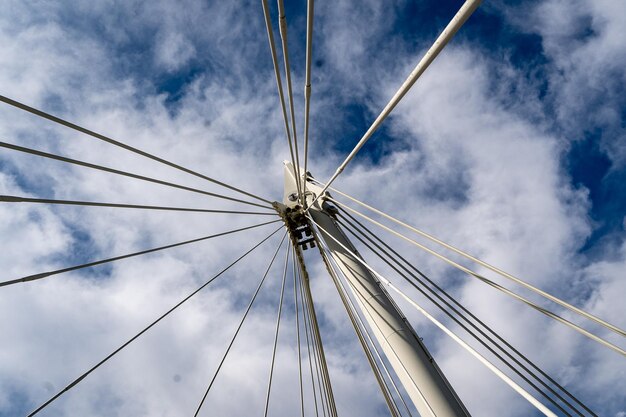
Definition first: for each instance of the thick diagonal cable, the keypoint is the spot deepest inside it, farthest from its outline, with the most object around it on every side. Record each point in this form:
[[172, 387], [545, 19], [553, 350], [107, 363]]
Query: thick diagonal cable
[[18, 199], [472, 333], [282, 24], [42, 275], [480, 262], [276, 333], [84, 375], [279, 84], [506, 291], [297, 316], [241, 322], [455, 24], [101, 137], [391, 404], [123, 173], [307, 88], [453, 305], [546, 411]]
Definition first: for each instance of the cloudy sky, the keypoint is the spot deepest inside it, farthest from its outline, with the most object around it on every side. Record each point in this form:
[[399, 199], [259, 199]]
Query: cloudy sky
[[512, 146]]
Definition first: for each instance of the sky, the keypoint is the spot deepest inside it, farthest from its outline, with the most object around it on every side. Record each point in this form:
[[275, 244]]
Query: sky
[[511, 146]]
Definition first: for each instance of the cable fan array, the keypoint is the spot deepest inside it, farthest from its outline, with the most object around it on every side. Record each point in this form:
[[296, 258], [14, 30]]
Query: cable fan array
[[316, 395]]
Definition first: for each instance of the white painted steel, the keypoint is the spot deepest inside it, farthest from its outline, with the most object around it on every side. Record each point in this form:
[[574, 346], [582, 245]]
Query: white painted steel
[[425, 384], [546, 411], [455, 24]]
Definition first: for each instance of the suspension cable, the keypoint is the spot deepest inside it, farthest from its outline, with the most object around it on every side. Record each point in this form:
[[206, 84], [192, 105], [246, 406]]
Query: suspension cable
[[282, 20], [309, 348], [482, 263], [452, 304], [243, 319], [391, 404], [467, 347], [473, 334], [506, 291], [280, 310], [297, 316], [455, 24], [93, 134], [307, 89], [123, 173], [130, 255], [321, 382], [318, 348], [542, 408], [84, 375], [279, 83], [19, 199]]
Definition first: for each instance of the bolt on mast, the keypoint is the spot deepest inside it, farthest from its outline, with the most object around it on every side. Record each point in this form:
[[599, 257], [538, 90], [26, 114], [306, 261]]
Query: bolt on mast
[[422, 379]]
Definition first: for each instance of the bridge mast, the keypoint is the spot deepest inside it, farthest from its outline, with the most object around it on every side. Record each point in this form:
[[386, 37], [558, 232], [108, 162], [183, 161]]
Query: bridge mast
[[422, 379]]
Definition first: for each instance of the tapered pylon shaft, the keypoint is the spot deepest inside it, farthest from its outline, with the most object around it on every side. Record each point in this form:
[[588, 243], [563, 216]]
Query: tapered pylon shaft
[[423, 380]]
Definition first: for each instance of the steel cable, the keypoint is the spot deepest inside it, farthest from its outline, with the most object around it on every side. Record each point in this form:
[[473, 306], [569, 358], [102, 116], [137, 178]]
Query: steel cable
[[243, 319], [93, 134], [117, 258], [453, 304], [84, 375], [123, 173]]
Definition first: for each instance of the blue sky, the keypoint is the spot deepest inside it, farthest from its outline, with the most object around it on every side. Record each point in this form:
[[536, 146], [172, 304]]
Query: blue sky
[[511, 146]]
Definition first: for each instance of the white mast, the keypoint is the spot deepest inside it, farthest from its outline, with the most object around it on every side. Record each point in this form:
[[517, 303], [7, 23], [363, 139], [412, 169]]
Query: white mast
[[421, 377]]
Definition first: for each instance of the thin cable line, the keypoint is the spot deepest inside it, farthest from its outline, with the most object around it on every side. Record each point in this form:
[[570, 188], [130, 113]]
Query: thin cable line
[[17, 199], [460, 306], [280, 310], [117, 258], [321, 382], [316, 359], [279, 84], [467, 347], [308, 346], [542, 408], [93, 134], [506, 291], [297, 316], [482, 263], [477, 338], [320, 351], [282, 20], [84, 375], [455, 24], [307, 89], [123, 173], [243, 319], [309, 315]]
